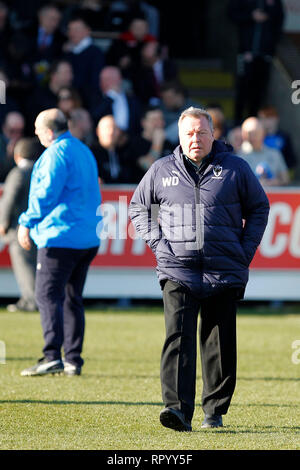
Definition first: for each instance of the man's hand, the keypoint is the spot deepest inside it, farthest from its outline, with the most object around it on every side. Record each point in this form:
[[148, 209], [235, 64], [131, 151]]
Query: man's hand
[[24, 238], [158, 139], [2, 231], [259, 15], [146, 161]]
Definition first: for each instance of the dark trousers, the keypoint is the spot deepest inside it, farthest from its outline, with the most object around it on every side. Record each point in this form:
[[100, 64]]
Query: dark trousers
[[60, 279], [217, 333], [24, 267]]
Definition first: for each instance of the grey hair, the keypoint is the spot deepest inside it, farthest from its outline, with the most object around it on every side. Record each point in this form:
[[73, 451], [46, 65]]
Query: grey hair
[[196, 112]]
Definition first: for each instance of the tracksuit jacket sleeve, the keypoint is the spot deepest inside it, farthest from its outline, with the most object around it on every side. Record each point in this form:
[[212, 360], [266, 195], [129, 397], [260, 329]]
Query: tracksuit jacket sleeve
[[47, 182], [256, 208], [143, 210]]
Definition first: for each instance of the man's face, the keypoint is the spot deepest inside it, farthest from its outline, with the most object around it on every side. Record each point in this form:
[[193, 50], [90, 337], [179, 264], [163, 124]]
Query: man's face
[[254, 135], [270, 124], [170, 99], [63, 75], [110, 79], [13, 129], [139, 28], [77, 31], [43, 133], [50, 19], [154, 120], [196, 137], [107, 132]]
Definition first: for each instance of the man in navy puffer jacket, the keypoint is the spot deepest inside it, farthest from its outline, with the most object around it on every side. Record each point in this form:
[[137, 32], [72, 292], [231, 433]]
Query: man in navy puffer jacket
[[203, 213]]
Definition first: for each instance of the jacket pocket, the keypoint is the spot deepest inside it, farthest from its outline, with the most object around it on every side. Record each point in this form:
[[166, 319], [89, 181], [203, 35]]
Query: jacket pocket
[[178, 253]]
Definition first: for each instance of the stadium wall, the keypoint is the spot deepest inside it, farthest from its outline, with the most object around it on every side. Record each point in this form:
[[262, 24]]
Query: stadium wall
[[125, 266]]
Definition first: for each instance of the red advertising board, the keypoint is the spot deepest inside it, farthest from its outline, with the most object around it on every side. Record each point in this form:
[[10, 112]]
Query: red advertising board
[[121, 248], [279, 249], [280, 246]]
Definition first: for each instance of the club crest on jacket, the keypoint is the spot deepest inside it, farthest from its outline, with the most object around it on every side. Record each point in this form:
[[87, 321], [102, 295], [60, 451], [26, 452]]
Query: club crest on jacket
[[217, 171]]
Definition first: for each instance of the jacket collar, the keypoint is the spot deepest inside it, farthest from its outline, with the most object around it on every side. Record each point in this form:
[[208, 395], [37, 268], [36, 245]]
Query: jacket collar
[[65, 135]]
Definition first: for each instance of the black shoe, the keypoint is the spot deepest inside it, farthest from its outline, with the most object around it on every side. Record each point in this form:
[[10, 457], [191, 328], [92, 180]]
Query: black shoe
[[212, 421], [43, 367], [174, 419], [71, 369]]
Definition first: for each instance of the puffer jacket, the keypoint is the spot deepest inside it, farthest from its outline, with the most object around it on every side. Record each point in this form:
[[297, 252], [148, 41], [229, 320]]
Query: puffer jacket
[[204, 235]]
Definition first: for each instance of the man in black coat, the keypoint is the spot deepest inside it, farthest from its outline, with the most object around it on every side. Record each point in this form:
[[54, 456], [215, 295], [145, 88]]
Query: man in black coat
[[114, 166], [259, 24], [46, 37], [13, 202], [113, 99], [86, 58], [46, 97]]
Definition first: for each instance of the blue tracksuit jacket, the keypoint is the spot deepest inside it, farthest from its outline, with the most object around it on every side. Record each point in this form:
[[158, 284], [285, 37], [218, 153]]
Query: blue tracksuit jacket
[[64, 196]]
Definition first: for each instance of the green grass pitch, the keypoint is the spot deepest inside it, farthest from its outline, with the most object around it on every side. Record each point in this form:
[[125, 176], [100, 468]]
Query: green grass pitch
[[115, 403]]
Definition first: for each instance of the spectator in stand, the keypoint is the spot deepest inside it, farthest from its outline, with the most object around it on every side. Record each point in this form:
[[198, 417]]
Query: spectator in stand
[[124, 106], [125, 50], [275, 137], [20, 66], [219, 122], [68, 99], [110, 153], [46, 97], [259, 25], [23, 14], [5, 33], [47, 39], [234, 138], [87, 59], [81, 126], [151, 144], [174, 100], [11, 103], [12, 131], [96, 13], [124, 10], [148, 75], [154, 55], [14, 201], [267, 163]]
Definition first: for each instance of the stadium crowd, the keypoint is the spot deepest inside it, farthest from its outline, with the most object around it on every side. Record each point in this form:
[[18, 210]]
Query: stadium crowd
[[103, 64]]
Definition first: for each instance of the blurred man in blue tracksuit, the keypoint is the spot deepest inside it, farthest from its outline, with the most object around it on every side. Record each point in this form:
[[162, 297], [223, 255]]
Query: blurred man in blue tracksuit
[[61, 220]]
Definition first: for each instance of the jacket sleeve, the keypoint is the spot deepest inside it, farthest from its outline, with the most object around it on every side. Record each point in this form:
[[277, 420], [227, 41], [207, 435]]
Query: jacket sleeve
[[143, 210], [255, 210], [47, 183], [13, 186]]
